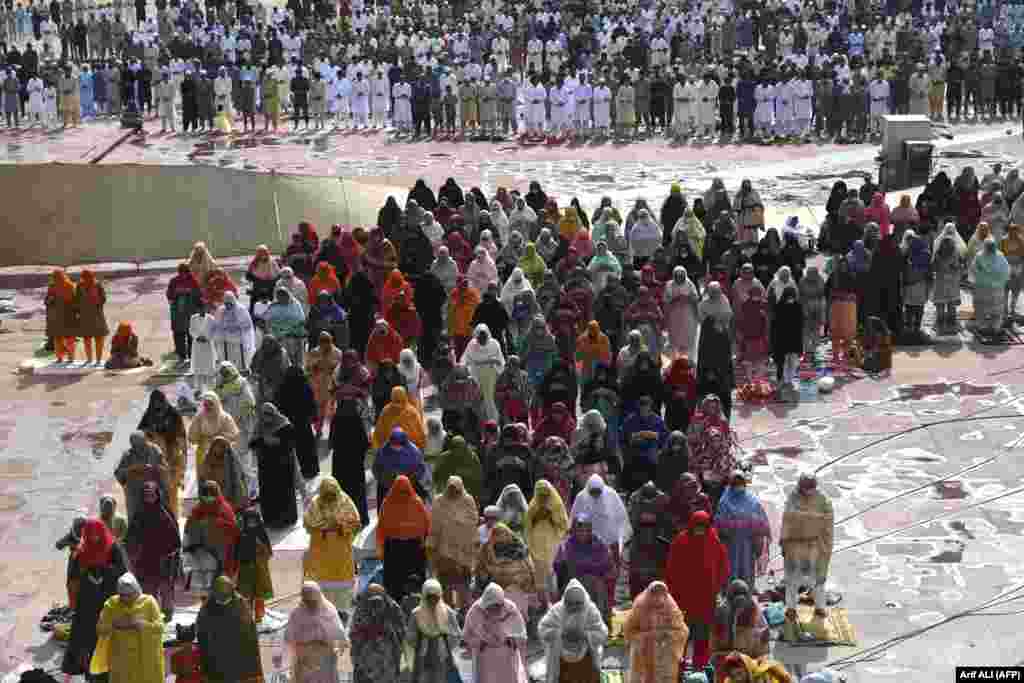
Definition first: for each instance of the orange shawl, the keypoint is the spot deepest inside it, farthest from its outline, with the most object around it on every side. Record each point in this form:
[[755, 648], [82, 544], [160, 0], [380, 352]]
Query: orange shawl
[[123, 334], [61, 286], [402, 515], [593, 345]]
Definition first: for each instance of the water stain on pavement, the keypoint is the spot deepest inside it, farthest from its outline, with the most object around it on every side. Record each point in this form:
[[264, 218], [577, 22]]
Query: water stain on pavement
[[97, 441]]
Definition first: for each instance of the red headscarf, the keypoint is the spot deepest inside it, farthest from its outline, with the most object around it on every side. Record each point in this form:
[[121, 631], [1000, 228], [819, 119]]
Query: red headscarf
[[697, 568], [96, 546], [680, 379], [325, 280], [221, 515]]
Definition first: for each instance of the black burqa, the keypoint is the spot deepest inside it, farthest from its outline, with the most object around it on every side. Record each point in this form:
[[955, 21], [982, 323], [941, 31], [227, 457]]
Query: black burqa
[[349, 444], [274, 448], [94, 587], [361, 303], [295, 400], [423, 195], [883, 297], [430, 297], [787, 329], [671, 211], [389, 218], [715, 372]]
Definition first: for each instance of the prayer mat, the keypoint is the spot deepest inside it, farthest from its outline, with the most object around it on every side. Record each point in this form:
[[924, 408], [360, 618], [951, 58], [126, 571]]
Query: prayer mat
[[172, 367], [834, 629], [49, 366]]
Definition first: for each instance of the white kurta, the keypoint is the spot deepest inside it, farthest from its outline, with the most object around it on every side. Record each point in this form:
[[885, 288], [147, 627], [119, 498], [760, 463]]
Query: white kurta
[[602, 107]]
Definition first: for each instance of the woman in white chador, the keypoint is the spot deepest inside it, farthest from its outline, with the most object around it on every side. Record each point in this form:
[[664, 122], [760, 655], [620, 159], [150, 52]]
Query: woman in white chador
[[204, 353], [233, 333]]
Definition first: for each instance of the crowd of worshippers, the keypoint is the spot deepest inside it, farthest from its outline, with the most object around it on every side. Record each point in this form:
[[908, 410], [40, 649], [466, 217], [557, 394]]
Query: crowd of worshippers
[[737, 70], [506, 517]]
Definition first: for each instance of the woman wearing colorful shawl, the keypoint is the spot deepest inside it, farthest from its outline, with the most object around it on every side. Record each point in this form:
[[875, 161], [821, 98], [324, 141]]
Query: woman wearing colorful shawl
[[352, 253], [238, 401], [513, 393], [495, 634], [545, 527], [645, 315], [750, 211], [385, 343], [325, 280], [583, 556], [743, 526], [991, 273], [201, 262], [262, 274], [124, 350], [485, 361], [602, 265], [95, 566], [752, 333], [739, 622], [314, 636], [400, 413], [556, 465], [680, 390], [539, 351], [185, 298], [233, 333], [153, 541], [399, 456], [211, 421], [162, 424], [295, 285], [394, 284], [218, 285], [433, 634], [657, 635], [680, 304], [88, 301], [532, 265], [223, 466], [453, 545], [696, 570], [332, 522], [592, 349], [916, 284], [604, 507], [1012, 247], [286, 320], [740, 668], [131, 629], [377, 634], [574, 636], [322, 364], [482, 271], [379, 259], [687, 498], [212, 527], [947, 269], [402, 530], [504, 560]]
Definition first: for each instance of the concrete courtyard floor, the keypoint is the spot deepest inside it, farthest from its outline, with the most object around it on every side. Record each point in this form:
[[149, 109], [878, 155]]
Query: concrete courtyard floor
[[923, 465]]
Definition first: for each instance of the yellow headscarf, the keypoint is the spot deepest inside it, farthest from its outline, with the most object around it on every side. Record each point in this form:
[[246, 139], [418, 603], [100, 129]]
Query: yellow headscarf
[[332, 509]]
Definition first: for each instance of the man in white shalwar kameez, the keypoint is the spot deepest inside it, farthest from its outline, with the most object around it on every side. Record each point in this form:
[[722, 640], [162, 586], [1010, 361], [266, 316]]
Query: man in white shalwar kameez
[[602, 107], [361, 102]]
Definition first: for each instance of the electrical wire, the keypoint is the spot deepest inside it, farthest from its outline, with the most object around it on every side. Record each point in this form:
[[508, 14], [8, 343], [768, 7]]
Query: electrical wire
[[876, 651]]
